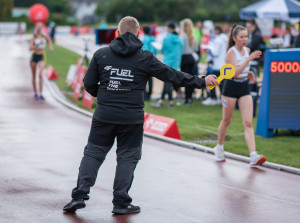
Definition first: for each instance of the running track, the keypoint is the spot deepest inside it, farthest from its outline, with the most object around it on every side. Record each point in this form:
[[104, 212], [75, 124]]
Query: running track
[[41, 145]]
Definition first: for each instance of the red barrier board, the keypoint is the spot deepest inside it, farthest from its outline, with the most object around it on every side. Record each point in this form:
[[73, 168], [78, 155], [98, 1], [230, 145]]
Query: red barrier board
[[77, 91], [87, 100], [145, 116], [51, 73], [161, 126], [77, 72], [78, 82]]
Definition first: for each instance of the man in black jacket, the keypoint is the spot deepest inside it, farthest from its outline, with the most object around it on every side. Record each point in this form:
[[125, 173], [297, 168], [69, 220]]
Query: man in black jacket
[[117, 76]]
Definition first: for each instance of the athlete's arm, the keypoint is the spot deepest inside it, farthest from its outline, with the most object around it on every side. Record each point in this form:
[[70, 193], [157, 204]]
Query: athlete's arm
[[31, 45], [49, 43], [91, 78], [231, 59]]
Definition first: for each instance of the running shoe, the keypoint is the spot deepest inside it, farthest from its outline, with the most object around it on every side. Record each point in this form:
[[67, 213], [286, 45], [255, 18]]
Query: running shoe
[[257, 160], [219, 154], [210, 101], [36, 97], [156, 104], [42, 97], [170, 105], [130, 209]]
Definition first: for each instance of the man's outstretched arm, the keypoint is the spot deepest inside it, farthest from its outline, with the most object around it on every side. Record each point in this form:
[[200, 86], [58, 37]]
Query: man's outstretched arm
[[167, 74]]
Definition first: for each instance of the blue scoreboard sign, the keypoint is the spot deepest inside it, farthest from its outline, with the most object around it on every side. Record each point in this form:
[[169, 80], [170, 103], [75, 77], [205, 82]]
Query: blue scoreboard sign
[[279, 106]]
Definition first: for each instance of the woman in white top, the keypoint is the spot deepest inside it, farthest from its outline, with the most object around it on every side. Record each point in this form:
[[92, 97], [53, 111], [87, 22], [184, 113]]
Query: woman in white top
[[38, 43], [237, 90]]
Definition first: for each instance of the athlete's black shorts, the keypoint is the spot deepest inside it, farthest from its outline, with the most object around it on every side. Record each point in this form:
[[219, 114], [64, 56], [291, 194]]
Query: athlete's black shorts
[[37, 58], [236, 88]]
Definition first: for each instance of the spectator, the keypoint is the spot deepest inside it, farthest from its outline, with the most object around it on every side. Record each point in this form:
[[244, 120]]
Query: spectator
[[52, 27], [218, 51], [288, 38], [189, 60], [172, 51], [147, 41], [297, 41], [198, 32]]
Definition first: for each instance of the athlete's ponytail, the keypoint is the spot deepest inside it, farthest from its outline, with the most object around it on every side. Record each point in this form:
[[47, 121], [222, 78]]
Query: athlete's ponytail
[[233, 33]]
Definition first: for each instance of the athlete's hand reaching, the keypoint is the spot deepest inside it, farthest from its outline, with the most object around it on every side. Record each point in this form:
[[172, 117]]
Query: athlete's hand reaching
[[251, 77], [210, 80], [256, 54]]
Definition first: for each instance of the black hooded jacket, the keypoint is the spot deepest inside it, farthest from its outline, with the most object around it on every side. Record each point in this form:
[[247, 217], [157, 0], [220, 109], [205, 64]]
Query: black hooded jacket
[[117, 76]]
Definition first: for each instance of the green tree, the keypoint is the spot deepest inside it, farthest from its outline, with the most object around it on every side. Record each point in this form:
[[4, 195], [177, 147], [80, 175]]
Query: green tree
[[54, 6], [58, 9], [160, 11], [6, 9]]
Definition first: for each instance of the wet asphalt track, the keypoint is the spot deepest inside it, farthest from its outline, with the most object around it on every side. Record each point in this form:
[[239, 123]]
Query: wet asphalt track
[[41, 145]]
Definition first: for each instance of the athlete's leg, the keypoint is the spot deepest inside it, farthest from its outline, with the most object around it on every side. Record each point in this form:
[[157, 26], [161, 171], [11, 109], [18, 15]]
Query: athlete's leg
[[246, 108], [33, 71], [228, 105], [41, 66]]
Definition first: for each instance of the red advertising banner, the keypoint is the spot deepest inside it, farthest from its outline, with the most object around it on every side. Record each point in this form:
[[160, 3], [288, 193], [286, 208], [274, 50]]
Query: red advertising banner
[[77, 70], [87, 100], [78, 82], [145, 116], [161, 126]]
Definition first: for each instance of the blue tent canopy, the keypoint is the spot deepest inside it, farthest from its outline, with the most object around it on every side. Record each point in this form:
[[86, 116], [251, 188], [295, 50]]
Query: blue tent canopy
[[274, 9]]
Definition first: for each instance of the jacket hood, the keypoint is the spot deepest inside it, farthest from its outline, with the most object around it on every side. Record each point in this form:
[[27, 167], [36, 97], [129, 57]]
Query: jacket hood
[[126, 44], [173, 38]]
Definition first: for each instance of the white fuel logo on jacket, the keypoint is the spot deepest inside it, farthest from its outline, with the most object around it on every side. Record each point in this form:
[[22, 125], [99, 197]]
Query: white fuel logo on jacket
[[116, 76], [119, 74]]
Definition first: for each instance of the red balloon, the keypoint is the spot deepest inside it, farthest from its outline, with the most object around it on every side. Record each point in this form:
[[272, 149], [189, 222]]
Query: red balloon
[[38, 13]]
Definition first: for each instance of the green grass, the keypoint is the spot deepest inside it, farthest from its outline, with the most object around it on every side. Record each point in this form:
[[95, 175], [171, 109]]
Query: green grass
[[61, 59], [198, 122]]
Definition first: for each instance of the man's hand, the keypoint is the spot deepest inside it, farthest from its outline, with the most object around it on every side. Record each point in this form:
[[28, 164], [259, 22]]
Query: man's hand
[[211, 80]]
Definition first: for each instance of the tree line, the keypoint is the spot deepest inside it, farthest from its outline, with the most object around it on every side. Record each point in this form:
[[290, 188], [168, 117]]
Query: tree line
[[163, 10], [143, 10]]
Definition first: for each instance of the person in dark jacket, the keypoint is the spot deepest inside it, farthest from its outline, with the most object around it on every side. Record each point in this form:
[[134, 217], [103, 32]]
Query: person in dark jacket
[[117, 76], [254, 44], [297, 41]]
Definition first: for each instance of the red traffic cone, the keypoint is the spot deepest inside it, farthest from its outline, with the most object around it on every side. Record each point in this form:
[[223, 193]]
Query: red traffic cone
[[51, 73]]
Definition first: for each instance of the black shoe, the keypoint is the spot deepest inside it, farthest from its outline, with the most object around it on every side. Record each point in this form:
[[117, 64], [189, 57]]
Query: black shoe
[[74, 205], [130, 209]]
